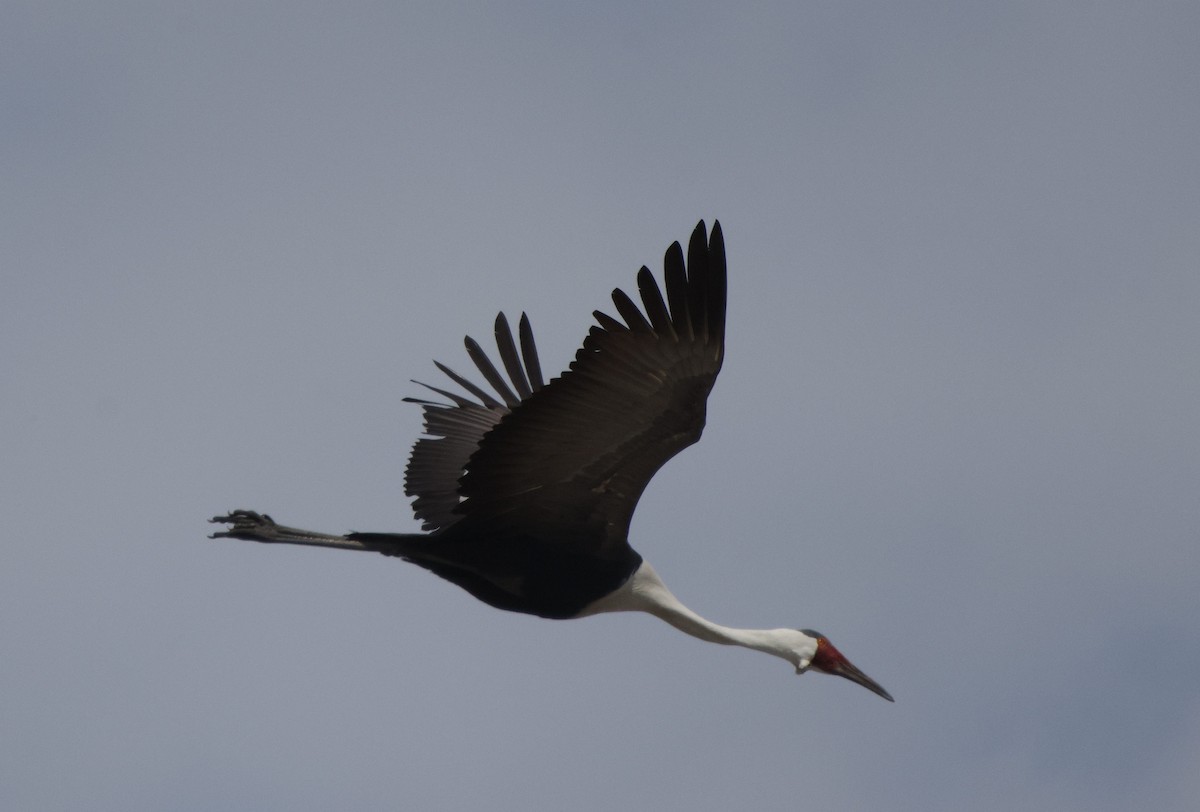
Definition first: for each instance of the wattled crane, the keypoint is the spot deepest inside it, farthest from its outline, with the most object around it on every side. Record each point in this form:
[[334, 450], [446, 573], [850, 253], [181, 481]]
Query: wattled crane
[[527, 493]]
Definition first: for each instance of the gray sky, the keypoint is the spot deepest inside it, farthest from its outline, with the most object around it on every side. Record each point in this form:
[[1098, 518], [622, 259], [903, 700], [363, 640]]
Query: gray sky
[[956, 429]]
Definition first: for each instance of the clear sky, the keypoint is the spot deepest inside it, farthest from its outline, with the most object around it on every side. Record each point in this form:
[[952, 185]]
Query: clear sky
[[958, 427]]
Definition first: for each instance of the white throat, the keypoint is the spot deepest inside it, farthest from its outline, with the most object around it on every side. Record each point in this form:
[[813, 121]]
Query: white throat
[[645, 592]]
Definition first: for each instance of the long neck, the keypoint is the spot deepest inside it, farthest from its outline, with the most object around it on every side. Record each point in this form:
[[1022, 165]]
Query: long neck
[[645, 592]]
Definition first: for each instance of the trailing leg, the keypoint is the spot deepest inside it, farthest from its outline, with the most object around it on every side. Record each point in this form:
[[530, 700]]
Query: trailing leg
[[251, 526]]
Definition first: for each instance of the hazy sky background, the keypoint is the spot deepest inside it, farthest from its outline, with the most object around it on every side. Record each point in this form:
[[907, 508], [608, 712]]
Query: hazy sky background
[[958, 428]]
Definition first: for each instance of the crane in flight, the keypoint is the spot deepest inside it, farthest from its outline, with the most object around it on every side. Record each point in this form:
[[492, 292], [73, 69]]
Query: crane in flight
[[527, 492]]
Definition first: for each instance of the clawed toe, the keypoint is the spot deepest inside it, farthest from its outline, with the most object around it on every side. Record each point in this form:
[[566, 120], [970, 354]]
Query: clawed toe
[[242, 522]]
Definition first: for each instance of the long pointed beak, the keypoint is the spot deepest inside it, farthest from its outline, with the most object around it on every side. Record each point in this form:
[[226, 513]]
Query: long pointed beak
[[851, 672], [828, 660]]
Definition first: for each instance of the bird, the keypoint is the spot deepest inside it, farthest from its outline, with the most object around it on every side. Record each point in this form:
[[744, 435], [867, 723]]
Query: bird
[[526, 492]]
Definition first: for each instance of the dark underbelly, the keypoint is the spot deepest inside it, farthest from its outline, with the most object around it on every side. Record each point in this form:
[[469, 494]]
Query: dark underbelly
[[547, 579]]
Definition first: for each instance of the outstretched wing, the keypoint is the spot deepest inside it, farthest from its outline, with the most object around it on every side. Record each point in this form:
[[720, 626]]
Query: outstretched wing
[[455, 430], [580, 451]]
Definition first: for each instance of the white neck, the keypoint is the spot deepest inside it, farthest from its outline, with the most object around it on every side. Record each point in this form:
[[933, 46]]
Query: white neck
[[645, 592]]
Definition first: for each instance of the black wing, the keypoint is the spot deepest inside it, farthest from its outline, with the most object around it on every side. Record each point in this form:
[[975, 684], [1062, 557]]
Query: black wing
[[438, 461], [580, 450]]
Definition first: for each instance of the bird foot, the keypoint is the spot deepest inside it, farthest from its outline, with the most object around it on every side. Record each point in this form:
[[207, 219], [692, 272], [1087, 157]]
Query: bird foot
[[246, 524]]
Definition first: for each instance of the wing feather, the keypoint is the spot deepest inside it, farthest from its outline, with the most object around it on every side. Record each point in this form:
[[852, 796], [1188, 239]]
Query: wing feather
[[629, 311], [676, 280], [489, 372], [656, 308], [512, 361], [533, 367], [607, 322], [482, 394]]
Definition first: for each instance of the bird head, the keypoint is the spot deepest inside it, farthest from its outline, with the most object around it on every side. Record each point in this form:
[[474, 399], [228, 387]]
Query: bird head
[[828, 660]]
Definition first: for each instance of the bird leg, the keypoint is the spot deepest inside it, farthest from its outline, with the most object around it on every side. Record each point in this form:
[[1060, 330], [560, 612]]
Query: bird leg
[[251, 526]]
